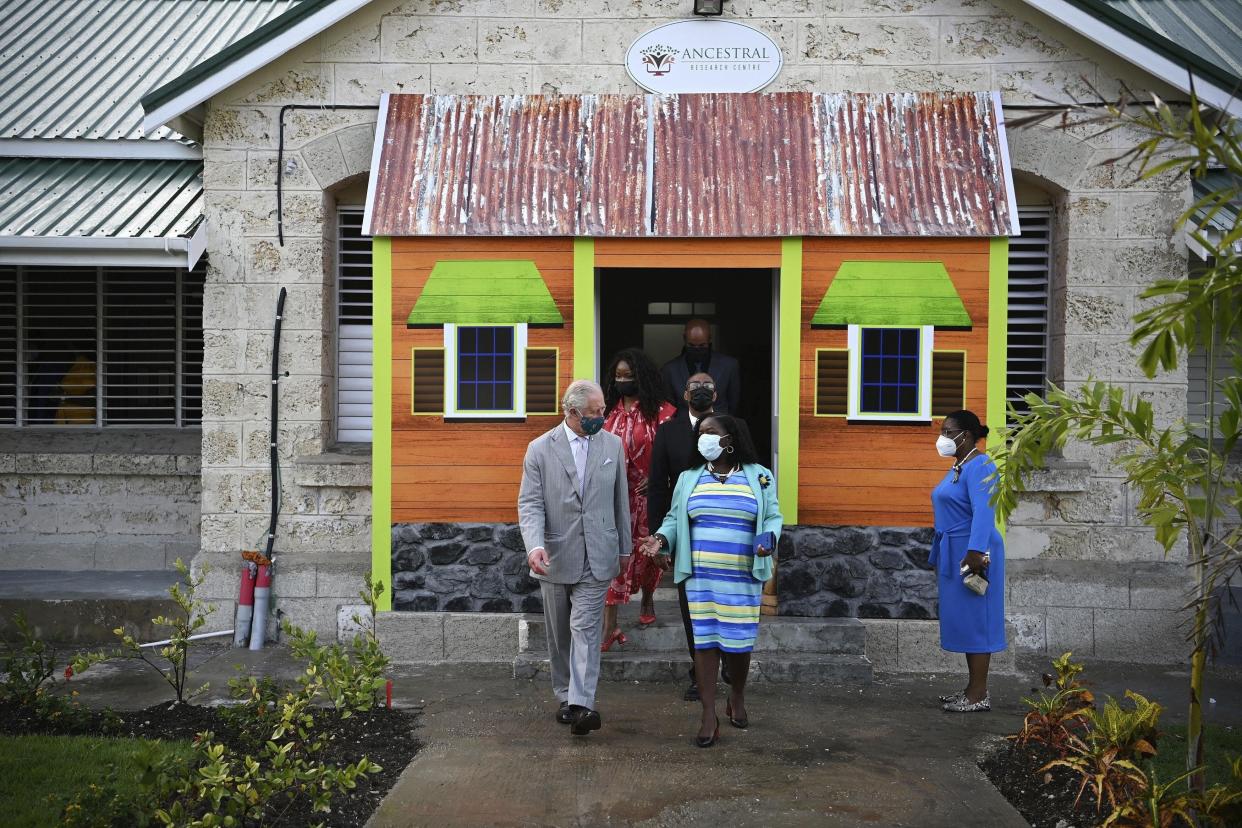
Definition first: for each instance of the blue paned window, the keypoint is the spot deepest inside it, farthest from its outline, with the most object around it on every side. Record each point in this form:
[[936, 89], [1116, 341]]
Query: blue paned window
[[485, 376], [890, 371]]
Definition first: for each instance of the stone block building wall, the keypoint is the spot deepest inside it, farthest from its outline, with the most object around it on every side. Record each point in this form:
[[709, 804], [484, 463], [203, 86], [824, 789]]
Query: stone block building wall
[[1113, 235], [118, 500]]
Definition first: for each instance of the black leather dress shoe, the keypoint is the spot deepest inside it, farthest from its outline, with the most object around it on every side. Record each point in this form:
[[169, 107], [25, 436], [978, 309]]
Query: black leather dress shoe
[[585, 721], [565, 714], [692, 693]]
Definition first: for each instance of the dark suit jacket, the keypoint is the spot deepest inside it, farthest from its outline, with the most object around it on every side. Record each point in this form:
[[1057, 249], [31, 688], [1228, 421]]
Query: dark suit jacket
[[724, 370], [670, 456]]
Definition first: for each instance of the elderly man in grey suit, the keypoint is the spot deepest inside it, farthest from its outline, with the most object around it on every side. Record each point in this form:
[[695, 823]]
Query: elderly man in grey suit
[[574, 512]]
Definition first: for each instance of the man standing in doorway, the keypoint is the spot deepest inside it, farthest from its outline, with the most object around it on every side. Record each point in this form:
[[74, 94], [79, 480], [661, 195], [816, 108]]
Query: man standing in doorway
[[574, 512], [697, 356], [671, 454]]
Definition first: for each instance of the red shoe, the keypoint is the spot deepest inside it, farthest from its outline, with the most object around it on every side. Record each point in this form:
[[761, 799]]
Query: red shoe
[[646, 620], [617, 637]]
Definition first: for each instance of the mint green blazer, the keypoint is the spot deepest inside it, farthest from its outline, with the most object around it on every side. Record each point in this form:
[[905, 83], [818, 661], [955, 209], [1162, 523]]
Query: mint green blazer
[[676, 525]]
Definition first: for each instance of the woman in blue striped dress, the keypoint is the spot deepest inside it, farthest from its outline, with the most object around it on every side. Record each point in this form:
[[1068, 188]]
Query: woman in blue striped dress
[[719, 507]]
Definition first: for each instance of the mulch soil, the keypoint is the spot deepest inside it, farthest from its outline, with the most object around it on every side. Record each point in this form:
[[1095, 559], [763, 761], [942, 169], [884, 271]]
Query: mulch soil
[[1044, 798], [385, 736]]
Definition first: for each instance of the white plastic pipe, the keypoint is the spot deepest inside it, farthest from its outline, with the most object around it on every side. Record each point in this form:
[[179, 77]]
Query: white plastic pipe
[[191, 638]]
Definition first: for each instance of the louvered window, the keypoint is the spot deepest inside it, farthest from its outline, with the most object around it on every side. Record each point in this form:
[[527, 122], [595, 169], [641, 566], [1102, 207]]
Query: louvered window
[[1030, 268], [353, 314], [541, 381], [100, 346], [832, 370]]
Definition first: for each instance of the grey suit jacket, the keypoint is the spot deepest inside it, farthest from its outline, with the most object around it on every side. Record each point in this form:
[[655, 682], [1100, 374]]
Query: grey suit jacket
[[584, 536]]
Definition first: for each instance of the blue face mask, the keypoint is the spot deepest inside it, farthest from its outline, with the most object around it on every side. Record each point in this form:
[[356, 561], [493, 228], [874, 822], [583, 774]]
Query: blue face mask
[[590, 425]]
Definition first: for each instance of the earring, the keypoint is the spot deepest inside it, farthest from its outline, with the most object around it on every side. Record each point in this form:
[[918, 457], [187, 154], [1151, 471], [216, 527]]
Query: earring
[[728, 449]]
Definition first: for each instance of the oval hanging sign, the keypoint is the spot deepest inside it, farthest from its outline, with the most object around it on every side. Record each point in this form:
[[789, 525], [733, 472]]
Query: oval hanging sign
[[703, 56]]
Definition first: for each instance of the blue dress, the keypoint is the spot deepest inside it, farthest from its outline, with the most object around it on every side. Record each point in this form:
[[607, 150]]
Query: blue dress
[[722, 593], [965, 520]]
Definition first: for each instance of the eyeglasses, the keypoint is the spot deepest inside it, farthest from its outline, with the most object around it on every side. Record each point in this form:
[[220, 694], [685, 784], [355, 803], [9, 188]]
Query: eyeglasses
[[694, 386]]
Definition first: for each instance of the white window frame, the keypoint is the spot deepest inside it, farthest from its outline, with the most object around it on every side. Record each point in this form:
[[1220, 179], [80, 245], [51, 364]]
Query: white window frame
[[451, 410], [926, 345]]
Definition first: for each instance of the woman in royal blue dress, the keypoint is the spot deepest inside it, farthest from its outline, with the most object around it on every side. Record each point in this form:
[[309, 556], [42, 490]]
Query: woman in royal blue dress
[[968, 548], [719, 507]]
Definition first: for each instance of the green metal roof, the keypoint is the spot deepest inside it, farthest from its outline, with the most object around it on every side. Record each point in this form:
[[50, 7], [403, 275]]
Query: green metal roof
[[1205, 35], [1219, 217], [892, 293], [490, 292], [77, 68], [120, 199]]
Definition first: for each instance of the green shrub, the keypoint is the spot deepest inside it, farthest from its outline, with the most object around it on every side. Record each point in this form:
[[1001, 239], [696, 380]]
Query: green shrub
[[1058, 713]]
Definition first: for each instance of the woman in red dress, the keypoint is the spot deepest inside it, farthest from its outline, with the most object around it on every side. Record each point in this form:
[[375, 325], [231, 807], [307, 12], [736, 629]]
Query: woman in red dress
[[634, 405]]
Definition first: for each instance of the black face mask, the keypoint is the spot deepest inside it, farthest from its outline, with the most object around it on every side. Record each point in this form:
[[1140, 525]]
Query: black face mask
[[629, 388], [701, 399], [699, 353]]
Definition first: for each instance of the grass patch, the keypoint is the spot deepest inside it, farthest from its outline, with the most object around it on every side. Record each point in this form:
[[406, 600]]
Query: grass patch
[[1223, 744], [38, 774]]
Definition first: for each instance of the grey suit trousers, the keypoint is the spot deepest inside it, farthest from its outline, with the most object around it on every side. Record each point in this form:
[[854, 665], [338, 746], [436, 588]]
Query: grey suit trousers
[[574, 619]]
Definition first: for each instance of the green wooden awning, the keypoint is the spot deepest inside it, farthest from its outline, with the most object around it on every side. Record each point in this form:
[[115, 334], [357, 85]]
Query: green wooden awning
[[487, 292], [892, 293]]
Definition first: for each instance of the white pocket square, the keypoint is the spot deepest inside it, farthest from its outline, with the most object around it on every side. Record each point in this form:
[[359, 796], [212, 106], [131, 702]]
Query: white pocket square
[[607, 460]]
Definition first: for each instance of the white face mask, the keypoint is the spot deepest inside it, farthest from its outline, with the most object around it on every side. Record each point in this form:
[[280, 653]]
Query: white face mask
[[946, 446], [709, 446]]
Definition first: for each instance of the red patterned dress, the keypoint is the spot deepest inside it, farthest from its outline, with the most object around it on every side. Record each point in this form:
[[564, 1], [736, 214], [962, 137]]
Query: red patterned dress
[[637, 435]]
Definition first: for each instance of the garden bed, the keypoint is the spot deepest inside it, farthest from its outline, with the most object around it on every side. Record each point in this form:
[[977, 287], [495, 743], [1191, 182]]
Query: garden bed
[[385, 736], [1045, 800]]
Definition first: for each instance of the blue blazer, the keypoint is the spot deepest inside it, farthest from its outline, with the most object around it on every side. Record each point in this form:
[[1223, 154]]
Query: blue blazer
[[676, 526]]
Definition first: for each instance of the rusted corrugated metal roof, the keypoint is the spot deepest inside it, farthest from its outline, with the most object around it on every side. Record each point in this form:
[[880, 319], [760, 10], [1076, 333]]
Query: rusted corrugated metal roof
[[782, 164]]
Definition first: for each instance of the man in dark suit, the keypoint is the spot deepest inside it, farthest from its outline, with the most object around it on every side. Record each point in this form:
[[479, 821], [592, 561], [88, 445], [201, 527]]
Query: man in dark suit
[[671, 454], [697, 356]]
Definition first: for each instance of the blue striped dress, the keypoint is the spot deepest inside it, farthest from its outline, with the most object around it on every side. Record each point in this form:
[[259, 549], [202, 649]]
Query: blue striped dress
[[723, 595]]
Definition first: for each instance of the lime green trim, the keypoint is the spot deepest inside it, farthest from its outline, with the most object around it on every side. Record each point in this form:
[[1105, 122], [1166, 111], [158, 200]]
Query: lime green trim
[[892, 294], [998, 337], [815, 387], [584, 309], [789, 377], [413, 372], [381, 416], [998, 331], [485, 292]]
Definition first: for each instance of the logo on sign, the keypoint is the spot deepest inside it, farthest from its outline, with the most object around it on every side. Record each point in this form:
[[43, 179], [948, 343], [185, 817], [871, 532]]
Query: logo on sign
[[703, 56]]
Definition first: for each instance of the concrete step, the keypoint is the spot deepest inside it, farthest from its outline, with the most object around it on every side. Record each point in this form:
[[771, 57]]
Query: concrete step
[[84, 607], [821, 636], [787, 668]]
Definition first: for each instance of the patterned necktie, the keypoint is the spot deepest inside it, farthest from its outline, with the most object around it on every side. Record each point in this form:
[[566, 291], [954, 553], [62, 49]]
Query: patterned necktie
[[580, 456]]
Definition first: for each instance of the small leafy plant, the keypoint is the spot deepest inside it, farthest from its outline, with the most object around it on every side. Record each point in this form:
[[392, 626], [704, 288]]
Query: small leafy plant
[[351, 677], [29, 681], [1059, 712], [191, 616]]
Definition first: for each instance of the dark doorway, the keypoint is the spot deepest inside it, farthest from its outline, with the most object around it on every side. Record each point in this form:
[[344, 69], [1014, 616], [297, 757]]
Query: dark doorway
[[649, 307]]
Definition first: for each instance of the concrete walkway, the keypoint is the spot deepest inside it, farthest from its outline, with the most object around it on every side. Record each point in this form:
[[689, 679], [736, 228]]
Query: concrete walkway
[[814, 755]]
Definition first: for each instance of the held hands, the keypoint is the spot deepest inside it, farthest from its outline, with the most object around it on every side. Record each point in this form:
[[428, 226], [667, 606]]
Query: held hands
[[976, 562], [651, 546], [537, 560]]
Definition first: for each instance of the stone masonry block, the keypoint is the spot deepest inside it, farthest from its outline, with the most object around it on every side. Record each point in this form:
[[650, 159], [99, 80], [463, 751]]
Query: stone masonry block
[[480, 636], [1167, 589], [1026, 631], [224, 169], [357, 83], [336, 471], [327, 164], [341, 581], [134, 464], [1038, 82], [311, 614], [1067, 584], [356, 145], [429, 40], [54, 463], [882, 643], [1145, 636], [569, 79], [984, 39], [529, 41], [449, 78], [895, 40], [868, 78], [1152, 215], [1071, 629], [412, 637], [294, 580], [8, 462], [918, 649]]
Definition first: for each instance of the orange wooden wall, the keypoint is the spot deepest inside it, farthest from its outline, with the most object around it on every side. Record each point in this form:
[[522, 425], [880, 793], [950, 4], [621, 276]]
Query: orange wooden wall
[[466, 471], [882, 474]]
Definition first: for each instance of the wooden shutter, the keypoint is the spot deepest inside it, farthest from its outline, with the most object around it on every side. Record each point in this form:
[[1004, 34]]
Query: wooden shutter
[[832, 386], [541, 385], [948, 382], [427, 393]]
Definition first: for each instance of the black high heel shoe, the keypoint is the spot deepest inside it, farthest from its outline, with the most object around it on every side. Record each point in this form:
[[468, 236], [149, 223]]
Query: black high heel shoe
[[702, 742], [741, 724]]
